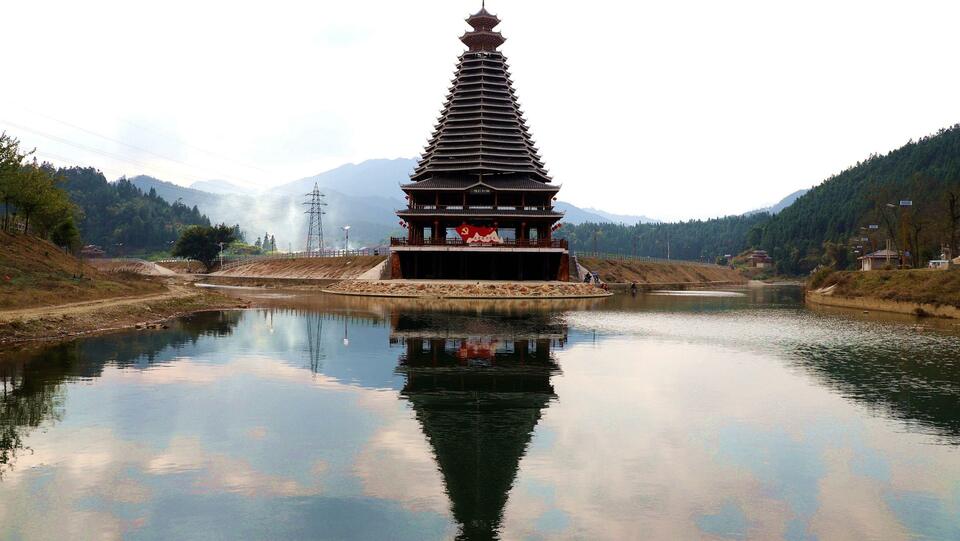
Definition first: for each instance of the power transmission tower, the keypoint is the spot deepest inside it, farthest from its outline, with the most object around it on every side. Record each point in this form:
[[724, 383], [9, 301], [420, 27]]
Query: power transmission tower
[[315, 226]]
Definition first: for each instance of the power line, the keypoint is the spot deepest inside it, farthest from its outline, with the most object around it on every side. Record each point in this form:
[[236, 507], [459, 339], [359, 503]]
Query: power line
[[185, 143], [75, 144], [141, 149]]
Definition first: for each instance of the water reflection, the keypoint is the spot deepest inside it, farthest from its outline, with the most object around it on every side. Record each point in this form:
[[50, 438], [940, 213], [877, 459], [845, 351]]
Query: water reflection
[[33, 381], [669, 417], [478, 387]]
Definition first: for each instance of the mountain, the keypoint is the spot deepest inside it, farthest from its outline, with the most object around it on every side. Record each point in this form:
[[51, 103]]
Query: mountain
[[825, 219], [174, 192], [575, 215], [224, 187], [627, 219], [124, 217], [371, 218], [371, 178], [782, 204]]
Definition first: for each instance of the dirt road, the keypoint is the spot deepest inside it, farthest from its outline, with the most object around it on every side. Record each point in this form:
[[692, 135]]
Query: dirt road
[[78, 318], [74, 308]]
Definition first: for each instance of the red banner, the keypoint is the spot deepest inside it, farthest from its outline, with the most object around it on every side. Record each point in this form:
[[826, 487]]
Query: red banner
[[473, 234], [476, 350]]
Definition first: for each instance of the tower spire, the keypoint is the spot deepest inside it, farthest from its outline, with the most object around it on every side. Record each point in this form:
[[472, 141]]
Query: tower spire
[[482, 37]]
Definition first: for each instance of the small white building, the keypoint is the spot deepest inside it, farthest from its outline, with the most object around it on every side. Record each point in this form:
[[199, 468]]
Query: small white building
[[880, 260]]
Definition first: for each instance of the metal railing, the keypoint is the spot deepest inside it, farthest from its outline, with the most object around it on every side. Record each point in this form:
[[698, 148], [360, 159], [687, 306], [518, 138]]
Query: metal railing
[[507, 243]]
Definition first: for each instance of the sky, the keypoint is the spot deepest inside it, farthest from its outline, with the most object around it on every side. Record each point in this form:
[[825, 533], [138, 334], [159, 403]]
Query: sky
[[673, 110]]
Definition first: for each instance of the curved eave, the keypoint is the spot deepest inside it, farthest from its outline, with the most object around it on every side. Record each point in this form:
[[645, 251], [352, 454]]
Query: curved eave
[[543, 187], [490, 213]]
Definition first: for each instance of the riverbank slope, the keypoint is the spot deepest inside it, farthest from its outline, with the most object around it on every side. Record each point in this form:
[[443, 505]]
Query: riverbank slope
[[46, 293], [304, 268], [919, 292], [661, 273]]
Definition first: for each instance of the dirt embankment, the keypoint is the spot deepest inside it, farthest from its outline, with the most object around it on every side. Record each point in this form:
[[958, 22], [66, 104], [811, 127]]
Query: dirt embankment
[[101, 315], [34, 272], [920, 292], [183, 267], [313, 268], [48, 294], [660, 273], [135, 266]]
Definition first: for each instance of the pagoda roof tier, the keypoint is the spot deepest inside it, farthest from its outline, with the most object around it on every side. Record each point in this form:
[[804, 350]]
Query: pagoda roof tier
[[483, 40], [484, 159], [494, 182], [481, 129], [483, 20], [427, 211], [467, 152]]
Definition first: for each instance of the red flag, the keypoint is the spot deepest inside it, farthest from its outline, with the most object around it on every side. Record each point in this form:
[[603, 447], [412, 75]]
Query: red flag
[[472, 234]]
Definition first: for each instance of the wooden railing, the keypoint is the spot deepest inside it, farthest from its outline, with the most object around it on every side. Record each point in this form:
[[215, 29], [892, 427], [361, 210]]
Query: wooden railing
[[507, 243]]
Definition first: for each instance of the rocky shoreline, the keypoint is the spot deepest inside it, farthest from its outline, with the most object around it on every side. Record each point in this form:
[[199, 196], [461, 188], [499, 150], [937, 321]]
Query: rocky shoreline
[[467, 290]]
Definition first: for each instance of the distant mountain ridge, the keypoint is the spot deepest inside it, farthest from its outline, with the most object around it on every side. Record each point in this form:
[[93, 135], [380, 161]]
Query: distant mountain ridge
[[223, 187], [780, 205], [363, 195], [821, 222]]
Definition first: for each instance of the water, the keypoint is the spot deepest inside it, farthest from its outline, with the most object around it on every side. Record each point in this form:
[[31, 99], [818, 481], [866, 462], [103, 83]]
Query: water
[[725, 416]]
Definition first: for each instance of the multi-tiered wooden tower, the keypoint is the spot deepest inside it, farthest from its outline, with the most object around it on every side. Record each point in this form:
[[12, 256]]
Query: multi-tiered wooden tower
[[480, 204]]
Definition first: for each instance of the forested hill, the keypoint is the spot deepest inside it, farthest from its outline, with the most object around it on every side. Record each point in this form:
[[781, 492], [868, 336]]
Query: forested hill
[[122, 218], [694, 240], [829, 217]]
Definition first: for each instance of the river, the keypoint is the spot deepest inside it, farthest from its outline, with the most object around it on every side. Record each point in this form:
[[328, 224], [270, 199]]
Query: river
[[718, 415]]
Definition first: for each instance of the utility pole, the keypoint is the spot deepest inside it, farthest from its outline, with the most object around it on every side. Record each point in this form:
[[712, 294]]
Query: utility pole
[[346, 239], [316, 202], [221, 255]]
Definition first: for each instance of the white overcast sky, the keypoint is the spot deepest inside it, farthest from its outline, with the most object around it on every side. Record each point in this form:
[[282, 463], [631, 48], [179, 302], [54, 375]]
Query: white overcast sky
[[668, 109]]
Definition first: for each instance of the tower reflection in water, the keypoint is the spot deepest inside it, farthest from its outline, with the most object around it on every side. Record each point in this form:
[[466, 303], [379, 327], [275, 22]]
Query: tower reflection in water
[[478, 387]]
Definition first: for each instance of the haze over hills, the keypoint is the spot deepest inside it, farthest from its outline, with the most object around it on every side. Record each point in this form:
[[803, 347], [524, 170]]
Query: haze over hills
[[363, 195], [222, 187]]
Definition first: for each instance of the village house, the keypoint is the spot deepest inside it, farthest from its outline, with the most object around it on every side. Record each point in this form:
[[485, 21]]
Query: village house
[[760, 259], [879, 260]]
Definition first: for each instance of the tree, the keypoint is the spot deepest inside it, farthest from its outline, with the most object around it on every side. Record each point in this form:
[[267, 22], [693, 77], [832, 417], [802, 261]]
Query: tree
[[258, 244], [273, 243], [202, 243], [953, 220], [11, 172], [66, 235]]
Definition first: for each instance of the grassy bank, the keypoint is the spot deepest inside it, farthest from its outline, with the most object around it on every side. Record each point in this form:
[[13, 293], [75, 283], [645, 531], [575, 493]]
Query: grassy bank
[[656, 272], [34, 272], [936, 287]]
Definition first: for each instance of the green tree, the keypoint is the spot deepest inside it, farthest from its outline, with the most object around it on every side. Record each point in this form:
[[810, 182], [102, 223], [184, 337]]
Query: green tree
[[203, 243], [66, 235]]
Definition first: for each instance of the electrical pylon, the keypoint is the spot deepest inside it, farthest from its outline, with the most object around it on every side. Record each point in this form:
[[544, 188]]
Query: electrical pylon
[[315, 225]]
